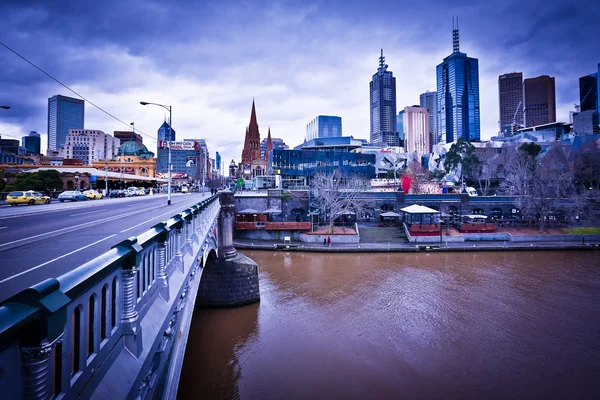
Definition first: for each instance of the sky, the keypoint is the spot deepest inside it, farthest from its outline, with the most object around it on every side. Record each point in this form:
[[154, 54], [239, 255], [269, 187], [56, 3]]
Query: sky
[[296, 59]]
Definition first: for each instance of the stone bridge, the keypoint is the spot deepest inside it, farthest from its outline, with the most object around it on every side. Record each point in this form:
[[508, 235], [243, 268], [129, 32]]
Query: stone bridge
[[117, 326]]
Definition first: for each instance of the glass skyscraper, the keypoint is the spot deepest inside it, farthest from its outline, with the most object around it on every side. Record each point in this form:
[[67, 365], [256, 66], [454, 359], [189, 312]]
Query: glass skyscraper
[[428, 100], [64, 113], [383, 106], [32, 143], [324, 126], [458, 96]]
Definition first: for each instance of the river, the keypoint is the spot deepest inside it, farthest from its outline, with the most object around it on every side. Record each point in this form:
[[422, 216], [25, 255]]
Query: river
[[497, 325]]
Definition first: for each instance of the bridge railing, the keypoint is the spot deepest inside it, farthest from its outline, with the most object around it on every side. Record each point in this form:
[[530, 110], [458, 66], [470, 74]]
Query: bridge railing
[[59, 338]]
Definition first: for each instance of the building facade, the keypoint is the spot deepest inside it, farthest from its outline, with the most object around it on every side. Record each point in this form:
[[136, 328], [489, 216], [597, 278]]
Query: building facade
[[428, 100], [510, 100], [458, 96], [252, 163], [166, 133], [416, 128], [382, 94], [132, 158], [64, 113], [126, 136], [539, 100], [324, 126], [89, 145], [32, 143], [588, 92]]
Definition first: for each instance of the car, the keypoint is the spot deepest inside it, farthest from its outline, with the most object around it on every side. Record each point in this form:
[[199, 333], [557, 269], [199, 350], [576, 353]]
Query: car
[[71, 195], [118, 193], [132, 191], [141, 192], [26, 197], [92, 194]]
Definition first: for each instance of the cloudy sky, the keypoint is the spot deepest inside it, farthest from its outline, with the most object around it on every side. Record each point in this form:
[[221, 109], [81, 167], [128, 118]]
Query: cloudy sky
[[297, 59]]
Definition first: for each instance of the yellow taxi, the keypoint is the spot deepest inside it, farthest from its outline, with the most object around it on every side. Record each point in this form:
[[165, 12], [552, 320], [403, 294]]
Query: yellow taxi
[[92, 194], [26, 197]]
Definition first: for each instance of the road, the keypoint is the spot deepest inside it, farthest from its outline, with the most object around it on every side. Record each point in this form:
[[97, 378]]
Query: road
[[44, 241]]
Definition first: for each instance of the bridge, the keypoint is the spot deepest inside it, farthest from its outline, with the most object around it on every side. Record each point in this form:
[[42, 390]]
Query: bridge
[[117, 326]]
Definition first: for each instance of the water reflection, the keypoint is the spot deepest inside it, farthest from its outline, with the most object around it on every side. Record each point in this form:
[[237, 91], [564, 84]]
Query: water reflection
[[442, 325]]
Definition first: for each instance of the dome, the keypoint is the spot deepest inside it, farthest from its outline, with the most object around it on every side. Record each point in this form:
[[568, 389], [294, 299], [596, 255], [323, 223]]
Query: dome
[[133, 148]]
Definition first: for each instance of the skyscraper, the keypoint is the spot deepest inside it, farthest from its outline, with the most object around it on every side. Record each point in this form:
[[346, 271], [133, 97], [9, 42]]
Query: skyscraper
[[510, 99], [32, 143], [64, 113], [400, 127], [324, 126], [416, 121], [539, 100], [458, 96], [428, 100], [383, 106], [166, 133], [588, 92]]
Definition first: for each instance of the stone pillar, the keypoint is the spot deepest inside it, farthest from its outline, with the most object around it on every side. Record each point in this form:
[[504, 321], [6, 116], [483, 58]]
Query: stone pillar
[[131, 329], [161, 275], [226, 249], [38, 369], [178, 241]]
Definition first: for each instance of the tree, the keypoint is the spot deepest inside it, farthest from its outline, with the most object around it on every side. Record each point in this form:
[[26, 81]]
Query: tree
[[419, 177], [487, 170], [461, 153], [333, 195], [39, 181]]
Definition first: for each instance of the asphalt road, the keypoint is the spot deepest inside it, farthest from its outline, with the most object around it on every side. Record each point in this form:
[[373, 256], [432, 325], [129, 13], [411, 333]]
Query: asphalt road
[[44, 241]]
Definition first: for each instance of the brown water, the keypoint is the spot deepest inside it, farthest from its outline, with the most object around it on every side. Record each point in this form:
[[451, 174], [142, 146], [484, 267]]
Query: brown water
[[405, 326]]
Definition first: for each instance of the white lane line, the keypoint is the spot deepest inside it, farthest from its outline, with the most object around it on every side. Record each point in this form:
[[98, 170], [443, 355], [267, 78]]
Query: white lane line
[[146, 221], [55, 259], [89, 212], [3, 227], [74, 227]]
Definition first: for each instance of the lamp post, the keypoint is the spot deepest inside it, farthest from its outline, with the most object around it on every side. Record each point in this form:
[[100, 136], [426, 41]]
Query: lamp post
[[145, 103]]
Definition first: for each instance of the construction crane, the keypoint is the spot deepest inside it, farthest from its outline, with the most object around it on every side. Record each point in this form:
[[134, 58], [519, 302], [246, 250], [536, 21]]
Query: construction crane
[[578, 106], [514, 126]]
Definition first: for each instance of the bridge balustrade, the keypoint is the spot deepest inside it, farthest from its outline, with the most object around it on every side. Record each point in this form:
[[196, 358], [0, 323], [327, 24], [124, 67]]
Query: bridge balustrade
[[108, 324]]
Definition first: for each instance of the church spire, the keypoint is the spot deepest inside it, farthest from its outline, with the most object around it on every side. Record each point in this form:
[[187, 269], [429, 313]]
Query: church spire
[[269, 145], [253, 122]]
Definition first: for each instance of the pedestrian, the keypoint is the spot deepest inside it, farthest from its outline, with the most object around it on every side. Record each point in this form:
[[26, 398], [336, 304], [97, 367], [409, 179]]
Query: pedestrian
[[324, 242], [328, 240]]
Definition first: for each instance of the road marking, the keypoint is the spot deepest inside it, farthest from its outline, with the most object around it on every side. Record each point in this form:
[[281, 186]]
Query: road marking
[[89, 212], [3, 227], [135, 226], [55, 259]]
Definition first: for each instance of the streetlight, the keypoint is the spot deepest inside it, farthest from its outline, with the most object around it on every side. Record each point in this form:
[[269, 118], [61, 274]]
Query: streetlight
[[5, 107], [145, 103]]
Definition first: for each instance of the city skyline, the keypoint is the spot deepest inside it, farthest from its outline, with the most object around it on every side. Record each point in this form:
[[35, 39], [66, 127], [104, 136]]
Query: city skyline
[[305, 72]]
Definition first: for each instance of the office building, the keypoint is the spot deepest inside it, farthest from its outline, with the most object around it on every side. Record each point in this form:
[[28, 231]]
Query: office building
[[10, 146], [539, 101], [64, 113], [510, 100], [400, 128], [126, 136], [324, 126], [383, 106], [89, 145], [458, 96], [32, 143], [276, 144], [166, 133], [218, 160], [428, 100], [588, 92], [416, 130]]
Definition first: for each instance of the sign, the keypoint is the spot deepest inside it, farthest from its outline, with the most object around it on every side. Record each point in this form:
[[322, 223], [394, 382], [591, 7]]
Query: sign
[[164, 144]]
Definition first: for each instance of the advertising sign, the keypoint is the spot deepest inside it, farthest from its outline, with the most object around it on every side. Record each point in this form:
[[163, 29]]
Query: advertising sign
[[178, 145]]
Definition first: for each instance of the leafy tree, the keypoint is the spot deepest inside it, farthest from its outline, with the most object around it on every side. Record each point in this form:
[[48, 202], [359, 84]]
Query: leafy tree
[[461, 153], [39, 181], [532, 149]]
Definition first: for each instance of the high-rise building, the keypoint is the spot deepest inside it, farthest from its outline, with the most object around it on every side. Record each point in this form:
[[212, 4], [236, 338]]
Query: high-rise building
[[416, 128], [166, 133], [32, 143], [64, 113], [383, 106], [510, 99], [458, 96], [218, 161], [276, 144], [598, 89], [324, 126], [400, 128], [588, 92], [126, 136], [539, 100], [428, 100], [89, 145]]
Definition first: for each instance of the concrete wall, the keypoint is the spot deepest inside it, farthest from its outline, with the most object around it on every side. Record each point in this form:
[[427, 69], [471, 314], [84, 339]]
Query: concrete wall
[[557, 238], [334, 238], [267, 235]]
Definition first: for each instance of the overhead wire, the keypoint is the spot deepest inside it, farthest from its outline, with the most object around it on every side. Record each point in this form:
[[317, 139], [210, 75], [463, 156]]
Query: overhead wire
[[71, 90]]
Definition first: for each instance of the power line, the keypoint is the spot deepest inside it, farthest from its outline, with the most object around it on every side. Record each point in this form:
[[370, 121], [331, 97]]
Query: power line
[[71, 90]]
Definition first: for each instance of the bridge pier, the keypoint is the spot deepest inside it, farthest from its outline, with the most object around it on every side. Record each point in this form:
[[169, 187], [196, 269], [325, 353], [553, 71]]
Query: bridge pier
[[232, 279]]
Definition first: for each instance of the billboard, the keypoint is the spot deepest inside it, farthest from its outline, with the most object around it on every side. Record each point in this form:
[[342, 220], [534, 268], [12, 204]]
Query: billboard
[[164, 144]]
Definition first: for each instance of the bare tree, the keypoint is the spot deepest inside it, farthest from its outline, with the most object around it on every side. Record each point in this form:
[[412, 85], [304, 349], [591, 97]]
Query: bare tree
[[419, 177], [334, 195], [487, 170]]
